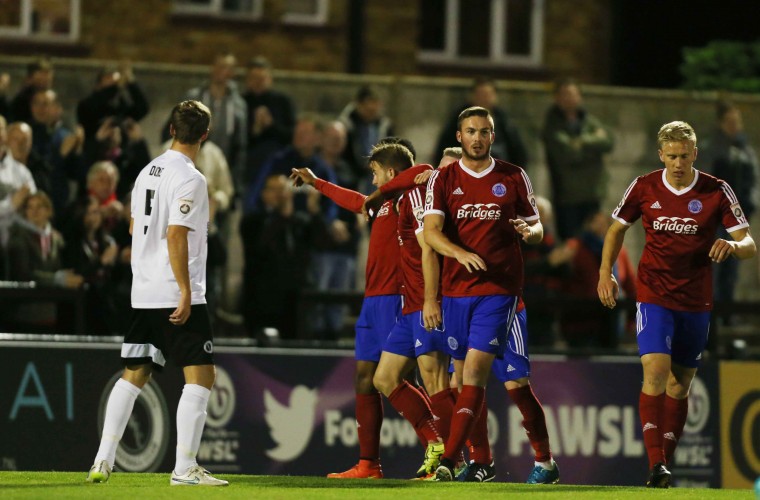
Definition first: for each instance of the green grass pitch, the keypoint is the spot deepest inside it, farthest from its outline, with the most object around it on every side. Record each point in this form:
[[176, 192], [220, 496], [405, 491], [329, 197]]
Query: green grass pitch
[[155, 486]]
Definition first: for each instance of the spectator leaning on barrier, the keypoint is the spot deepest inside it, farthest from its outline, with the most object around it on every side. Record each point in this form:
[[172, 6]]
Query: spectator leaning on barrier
[[35, 254]]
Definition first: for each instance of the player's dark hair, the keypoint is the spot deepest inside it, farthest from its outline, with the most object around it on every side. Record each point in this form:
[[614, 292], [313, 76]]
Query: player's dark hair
[[190, 120], [474, 111], [399, 140], [395, 156]]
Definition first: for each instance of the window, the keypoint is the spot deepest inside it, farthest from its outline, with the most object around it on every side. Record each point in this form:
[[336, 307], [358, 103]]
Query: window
[[481, 32], [46, 20], [248, 9], [313, 12]]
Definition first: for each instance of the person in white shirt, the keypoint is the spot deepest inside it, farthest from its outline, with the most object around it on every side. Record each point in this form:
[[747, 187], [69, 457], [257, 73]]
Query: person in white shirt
[[169, 226], [16, 183]]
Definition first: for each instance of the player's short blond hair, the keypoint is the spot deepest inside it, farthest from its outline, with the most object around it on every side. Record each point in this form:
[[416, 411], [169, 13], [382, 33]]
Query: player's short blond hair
[[676, 132], [453, 152]]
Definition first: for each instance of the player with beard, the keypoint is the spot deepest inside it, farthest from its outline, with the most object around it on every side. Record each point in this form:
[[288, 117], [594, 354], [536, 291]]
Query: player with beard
[[680, 209], [513, 370], [476, 211]]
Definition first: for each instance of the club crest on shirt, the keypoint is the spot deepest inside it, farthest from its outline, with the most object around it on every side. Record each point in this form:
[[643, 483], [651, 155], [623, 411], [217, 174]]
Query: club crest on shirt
[[499, 189], [185, 205], [695, 206]]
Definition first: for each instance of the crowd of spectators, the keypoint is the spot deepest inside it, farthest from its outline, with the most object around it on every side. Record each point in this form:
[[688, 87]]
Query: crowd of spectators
[[66, 179]]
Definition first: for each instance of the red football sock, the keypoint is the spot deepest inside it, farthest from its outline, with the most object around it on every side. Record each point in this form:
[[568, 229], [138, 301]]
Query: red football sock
[[369, 420], [480, 449], [412, 406], [470, 400], [534, 421], [454, 397], [674, 412], [442, 406], [650, 411]]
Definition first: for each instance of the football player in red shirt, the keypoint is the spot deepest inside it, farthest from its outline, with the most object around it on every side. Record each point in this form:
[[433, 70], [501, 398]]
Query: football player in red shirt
[[680, 209], [476, 212], [378, 318]]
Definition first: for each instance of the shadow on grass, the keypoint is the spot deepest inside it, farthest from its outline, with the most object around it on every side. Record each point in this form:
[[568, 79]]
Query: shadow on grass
[[294, 482]]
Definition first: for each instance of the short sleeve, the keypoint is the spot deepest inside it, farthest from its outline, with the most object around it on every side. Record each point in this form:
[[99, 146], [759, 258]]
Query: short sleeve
[[435, 196], [525, 205], [185, 207], [628, 210], [417, 206], [732, 215]]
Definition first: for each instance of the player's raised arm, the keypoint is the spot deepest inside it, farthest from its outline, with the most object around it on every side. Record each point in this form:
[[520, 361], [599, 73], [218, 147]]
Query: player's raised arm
[[404, 181], [344, 198], [613, 242]]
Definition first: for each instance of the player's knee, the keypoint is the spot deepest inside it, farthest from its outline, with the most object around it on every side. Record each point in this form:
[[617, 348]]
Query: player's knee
[[677, 389], [383, 382], [363, 383]]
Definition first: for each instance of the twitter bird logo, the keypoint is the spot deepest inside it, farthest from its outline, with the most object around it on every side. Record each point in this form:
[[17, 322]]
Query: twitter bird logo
[[290, 426]]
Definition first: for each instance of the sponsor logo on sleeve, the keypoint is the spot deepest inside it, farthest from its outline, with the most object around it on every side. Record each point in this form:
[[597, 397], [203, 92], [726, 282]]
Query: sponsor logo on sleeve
[[185, 204], [736, 209], [418, 212]]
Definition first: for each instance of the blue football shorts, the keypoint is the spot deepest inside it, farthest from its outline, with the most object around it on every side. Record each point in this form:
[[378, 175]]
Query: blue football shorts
[[376, 320], [515, 364], [481, 322], [681, 334]]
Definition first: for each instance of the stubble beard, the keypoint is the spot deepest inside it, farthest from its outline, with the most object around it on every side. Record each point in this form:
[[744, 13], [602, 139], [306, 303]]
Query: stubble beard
[[469, 156]]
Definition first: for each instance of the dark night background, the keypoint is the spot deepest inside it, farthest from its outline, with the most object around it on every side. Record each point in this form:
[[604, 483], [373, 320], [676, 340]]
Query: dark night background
[[648, 35]]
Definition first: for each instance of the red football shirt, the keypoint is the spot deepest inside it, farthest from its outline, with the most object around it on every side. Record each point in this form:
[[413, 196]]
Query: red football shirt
[[411, 208], [476, 208], [382, 273], [675, 270]]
